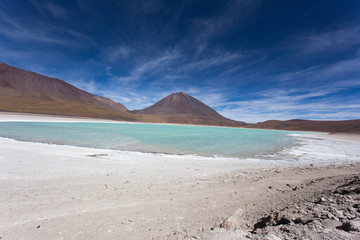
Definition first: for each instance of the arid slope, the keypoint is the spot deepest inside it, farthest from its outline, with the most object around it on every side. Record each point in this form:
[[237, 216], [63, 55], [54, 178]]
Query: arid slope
[[24, 91], [182, 108]]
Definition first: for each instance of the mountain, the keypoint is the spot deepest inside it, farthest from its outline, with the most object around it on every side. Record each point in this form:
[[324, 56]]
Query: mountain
[[349, 126], [24, 91], [29, 92], [182, 108]]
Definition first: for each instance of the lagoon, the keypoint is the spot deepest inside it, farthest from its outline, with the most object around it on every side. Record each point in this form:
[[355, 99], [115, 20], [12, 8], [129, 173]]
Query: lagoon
[[153, 138]]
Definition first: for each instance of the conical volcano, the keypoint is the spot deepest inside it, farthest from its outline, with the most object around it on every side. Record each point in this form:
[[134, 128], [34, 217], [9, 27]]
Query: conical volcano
[[182, 108]]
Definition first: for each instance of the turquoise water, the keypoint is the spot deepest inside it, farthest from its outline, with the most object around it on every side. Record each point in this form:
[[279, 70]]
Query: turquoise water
[[171, 139]]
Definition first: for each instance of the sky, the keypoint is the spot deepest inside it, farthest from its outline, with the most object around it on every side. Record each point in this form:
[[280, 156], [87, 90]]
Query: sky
[[251, 60]]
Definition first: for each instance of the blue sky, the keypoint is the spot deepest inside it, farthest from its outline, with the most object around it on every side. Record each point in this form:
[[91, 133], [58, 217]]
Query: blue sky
[[250, 60]]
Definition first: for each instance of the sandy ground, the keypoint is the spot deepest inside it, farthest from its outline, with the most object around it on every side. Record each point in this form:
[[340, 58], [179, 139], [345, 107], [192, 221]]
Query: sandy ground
[[352, 137], [28, 117], [64, 192]]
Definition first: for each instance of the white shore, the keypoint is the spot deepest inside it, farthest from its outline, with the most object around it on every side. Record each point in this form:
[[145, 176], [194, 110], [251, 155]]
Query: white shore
[[64, 192], [28, 117]]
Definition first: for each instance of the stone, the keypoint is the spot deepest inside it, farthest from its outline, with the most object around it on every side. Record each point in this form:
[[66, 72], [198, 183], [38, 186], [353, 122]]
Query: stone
[[339, 213], [230, 223], [263, 222], [303, 220], [350, 226], [284, 220]]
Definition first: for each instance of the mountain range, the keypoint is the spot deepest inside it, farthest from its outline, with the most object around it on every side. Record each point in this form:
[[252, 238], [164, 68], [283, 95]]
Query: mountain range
[[29, 92], [25, 91]]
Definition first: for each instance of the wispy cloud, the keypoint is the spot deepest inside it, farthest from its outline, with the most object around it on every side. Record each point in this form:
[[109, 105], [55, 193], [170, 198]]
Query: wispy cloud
[[207, 63], [343, 67], [18, 31], [24, 35], [148, 7], [114, 53], [232, 15], [289, 104], [36, 29], [150, 67], [340, 70], [334, 41], [54, 8], [226, 19], [86, 85]]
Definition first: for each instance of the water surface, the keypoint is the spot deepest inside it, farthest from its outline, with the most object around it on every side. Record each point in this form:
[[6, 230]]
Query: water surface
[[155, 138]]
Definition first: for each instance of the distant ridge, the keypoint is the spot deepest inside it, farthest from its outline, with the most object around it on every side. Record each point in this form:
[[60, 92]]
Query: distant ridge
[[350, 126], [180, 107]]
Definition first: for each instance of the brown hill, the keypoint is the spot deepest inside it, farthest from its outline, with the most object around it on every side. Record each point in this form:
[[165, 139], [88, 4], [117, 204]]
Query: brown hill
[[182, 108], [24, 91], [351, 126]]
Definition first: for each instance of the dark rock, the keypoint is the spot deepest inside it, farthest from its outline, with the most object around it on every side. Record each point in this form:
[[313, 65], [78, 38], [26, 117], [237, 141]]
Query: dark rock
[[263, 222], [284, 220], [285, 229], [349, 226], [303, 221], [343, 191]]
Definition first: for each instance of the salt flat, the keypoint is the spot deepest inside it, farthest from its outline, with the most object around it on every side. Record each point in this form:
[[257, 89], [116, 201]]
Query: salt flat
[[65, 192]]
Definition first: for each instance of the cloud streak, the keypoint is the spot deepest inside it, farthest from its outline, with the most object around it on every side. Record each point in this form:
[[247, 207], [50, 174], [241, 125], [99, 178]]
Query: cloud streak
[[150, 67], [290, 104], [334, 41]]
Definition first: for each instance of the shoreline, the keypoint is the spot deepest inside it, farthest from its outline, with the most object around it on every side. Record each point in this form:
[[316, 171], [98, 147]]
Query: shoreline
[[34, 117], [53, 191]]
